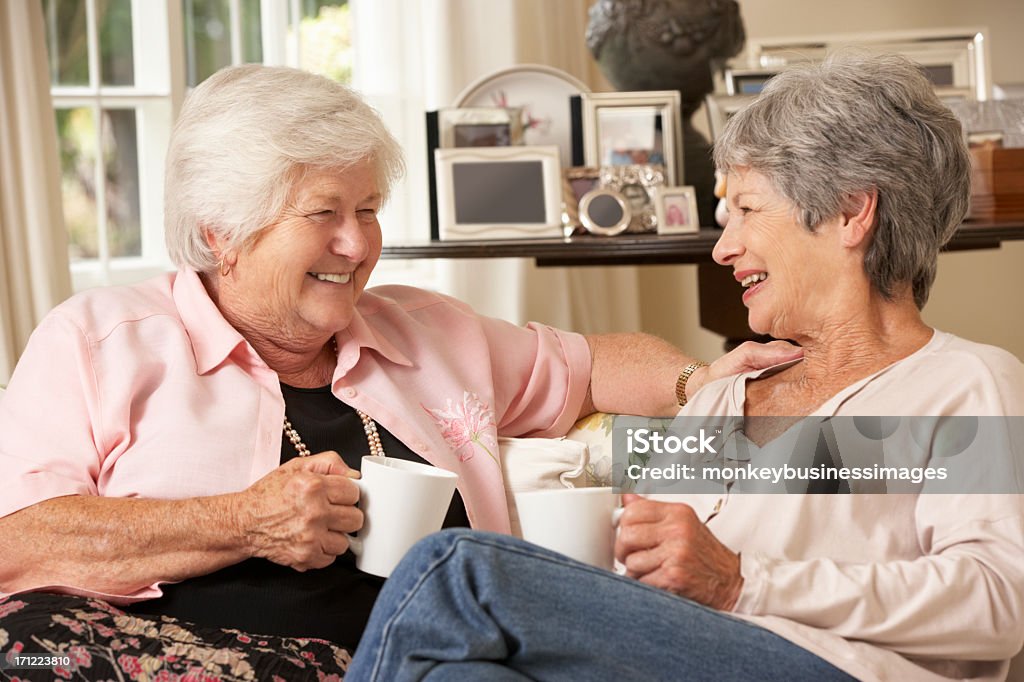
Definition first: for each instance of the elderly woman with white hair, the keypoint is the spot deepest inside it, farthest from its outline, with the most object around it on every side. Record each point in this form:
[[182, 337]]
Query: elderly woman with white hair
[[185, 447], [845, 179]]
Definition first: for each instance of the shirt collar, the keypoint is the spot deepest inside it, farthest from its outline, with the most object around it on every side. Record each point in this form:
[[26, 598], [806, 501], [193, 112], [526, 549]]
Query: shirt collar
[[358, 335], [213, 338]]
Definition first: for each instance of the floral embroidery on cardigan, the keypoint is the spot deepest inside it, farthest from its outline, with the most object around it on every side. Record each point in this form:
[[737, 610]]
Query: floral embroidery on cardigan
[[467, 425]]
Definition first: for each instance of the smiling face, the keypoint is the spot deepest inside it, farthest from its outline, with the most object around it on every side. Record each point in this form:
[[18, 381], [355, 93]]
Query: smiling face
[[793, 278], [299, 281]]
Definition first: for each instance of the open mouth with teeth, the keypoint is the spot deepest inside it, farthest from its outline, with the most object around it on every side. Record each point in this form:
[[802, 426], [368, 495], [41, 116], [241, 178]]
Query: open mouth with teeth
[[752, 283], [751, 280], [331, 277]]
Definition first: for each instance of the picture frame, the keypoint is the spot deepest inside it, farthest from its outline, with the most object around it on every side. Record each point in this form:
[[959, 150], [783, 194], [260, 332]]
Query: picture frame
[[499, 193], [604, 211], [721, 108], [953, 58], [637, 183], [545, 95], [676, 209], [576, 182], [630, 128], [480, 127], [741, 81]]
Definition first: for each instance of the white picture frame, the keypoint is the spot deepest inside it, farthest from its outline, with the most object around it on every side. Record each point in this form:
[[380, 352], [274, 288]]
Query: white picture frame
[[481, 126], [542, 92], [622, 124], [721, 108], [499, 193], [676, 209]]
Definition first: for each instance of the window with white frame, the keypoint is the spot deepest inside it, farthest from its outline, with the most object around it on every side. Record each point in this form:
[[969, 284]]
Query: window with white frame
[[113, 107], [119, 70]]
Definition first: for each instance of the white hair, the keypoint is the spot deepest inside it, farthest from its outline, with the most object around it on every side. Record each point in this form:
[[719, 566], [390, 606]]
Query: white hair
[[244, 137], [859, 122]]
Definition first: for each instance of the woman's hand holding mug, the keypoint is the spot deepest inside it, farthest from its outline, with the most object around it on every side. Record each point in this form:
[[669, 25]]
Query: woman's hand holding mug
[[298, 514]]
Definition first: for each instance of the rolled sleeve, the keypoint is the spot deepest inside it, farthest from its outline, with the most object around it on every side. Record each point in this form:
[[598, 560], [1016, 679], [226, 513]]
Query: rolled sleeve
[[541, 376]]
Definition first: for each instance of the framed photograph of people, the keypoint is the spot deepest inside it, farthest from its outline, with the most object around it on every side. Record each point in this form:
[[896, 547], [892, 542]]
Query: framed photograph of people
[[480, 127], [676, 209], [499, 192], [629, 128]]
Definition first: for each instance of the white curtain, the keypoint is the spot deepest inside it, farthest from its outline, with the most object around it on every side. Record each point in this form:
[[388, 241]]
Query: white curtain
[[481, 37], [438, 48], [34, 273]]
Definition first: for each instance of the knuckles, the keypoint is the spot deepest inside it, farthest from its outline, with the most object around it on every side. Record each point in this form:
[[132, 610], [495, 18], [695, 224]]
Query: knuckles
[[306, 485]]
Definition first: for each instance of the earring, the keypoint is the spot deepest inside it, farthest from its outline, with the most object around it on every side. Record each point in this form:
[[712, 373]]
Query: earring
[[225, 267]]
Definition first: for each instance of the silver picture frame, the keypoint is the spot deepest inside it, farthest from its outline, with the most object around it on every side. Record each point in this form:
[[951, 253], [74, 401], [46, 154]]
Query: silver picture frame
[[631, 128], [721, 108], [605, 212], [638, 184]]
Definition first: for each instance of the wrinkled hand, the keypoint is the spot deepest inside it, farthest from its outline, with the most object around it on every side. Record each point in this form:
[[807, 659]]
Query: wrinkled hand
[[297, 514], [665, 545], [746, 357]]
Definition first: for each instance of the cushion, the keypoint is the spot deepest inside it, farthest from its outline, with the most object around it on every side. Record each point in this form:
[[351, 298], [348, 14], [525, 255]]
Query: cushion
[[539, 464], [595, 431]]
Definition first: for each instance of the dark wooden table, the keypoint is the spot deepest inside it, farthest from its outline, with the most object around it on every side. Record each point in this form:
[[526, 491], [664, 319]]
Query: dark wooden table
[[721, 309], [648, 249]]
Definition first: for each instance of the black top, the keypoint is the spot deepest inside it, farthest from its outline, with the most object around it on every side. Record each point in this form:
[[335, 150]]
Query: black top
[[261, 597]]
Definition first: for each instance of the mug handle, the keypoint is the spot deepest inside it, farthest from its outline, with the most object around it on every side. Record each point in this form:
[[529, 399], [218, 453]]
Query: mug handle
[[617, 516], [356, 543]]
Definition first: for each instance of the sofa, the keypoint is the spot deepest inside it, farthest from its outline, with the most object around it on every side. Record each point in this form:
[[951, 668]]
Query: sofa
[[582, 459]]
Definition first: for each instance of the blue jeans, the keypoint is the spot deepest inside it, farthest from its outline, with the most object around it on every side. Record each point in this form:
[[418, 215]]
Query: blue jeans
[[467, 605]]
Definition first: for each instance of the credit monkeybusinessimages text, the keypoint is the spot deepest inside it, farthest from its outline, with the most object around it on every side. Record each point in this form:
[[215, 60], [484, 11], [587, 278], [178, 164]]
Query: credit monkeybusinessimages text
[[653, 442], [776, 474]]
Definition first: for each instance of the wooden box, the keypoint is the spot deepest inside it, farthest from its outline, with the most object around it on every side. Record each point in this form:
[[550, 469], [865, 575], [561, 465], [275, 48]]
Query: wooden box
[[997, 183]]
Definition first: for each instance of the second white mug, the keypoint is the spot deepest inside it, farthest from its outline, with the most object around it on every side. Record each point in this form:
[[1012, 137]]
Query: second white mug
[[577, 522]]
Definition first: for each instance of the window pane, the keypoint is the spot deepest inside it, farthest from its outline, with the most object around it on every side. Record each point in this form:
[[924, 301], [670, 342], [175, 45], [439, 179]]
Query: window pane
[[66, 41], [121, 160], [207, 38], [117, 66], [76, 131], [252, 38], [326, 39]]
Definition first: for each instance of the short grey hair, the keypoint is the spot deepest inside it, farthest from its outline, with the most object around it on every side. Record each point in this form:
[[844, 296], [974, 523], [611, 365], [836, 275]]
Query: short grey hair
[[244, 136], [854, 123]]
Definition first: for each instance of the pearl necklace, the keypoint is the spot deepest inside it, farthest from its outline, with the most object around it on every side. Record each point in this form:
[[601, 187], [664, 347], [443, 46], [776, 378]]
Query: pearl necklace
[[369, 428]]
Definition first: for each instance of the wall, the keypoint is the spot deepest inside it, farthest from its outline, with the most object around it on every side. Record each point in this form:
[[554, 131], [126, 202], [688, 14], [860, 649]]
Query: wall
[[972, 295]]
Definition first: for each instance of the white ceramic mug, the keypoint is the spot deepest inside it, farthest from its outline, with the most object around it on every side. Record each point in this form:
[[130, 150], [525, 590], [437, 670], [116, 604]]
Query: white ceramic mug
[[402, 502], [577, 522]]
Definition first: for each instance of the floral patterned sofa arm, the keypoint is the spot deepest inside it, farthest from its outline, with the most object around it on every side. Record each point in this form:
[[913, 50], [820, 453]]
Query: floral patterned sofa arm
[[596, 432]]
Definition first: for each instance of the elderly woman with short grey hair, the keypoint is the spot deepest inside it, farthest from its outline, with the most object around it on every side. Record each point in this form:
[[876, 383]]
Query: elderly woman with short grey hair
[[185, 447], [845, 179]]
